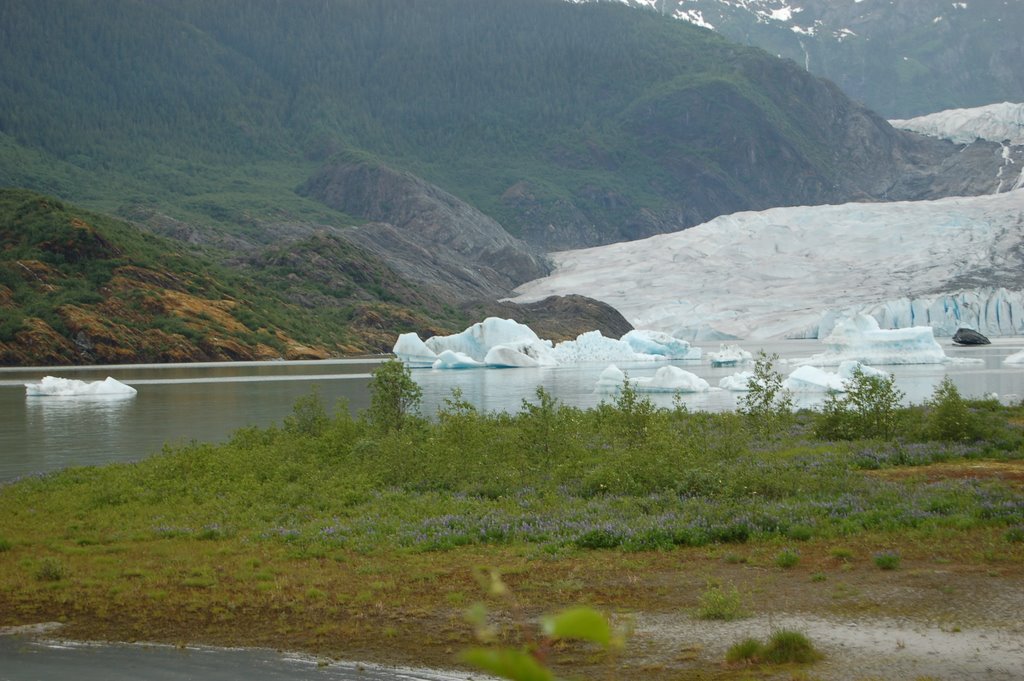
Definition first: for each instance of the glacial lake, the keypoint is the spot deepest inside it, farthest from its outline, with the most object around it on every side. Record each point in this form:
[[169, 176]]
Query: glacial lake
[[177, 404]]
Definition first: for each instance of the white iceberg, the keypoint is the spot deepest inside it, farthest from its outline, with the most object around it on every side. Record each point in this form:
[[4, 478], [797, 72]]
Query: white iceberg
[[54, 386], [729, 356], [413, 351], [451, 359], [667, 379], [737, 382], [479, 338], [812, 379], [504, 343], [611, 379], [848, 368], [659, 343], [860, 339], [1015, 358]]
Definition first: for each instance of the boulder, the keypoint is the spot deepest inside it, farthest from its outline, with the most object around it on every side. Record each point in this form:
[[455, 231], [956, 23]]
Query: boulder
[[969, 337]]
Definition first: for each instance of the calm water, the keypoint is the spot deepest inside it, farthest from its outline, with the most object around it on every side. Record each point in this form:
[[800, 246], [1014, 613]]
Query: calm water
[[206, 402]]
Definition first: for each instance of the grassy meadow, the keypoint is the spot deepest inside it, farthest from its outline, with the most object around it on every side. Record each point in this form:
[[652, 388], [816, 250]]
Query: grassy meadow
[[369, 537]]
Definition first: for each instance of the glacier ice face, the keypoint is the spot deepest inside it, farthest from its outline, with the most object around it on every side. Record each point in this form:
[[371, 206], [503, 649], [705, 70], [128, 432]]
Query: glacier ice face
[[860, 339], [790, 272], [995, 123], [504, 343], [54, 386]]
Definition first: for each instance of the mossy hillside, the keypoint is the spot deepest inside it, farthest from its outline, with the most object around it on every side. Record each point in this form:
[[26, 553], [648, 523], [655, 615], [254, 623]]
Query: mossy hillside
[[78, 287]]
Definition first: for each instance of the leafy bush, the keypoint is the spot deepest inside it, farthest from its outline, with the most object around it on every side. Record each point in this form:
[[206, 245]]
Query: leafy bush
[[767, 405], [887, 560], [787, 558], [870, 408], [949, 418], [394, 396], [51, 570], [720, 603]]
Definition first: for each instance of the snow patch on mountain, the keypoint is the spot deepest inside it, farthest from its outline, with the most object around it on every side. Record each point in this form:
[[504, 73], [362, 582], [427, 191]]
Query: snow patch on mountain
[[792, 272], [1002, 122]]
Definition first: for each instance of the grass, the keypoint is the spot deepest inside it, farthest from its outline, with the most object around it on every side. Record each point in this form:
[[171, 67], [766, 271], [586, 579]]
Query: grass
[[887, 560], [334, 521], [783, 647]]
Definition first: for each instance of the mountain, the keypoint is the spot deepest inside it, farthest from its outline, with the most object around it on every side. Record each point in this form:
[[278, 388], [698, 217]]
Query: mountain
[[901, 58], [366, 167], [789, 272], [566, 125]]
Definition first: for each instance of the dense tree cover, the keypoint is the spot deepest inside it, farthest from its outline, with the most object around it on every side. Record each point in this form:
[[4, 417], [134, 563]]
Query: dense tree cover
[[163, 102]]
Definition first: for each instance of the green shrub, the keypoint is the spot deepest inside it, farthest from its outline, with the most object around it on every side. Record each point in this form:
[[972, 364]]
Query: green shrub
[[787, 558], [51, 570], [786, 646], [747, 650], [5, 544], [394, 396], [870, 408], [767, 405], [719, 603], [1015, 534], [887, 560], [949, 418]]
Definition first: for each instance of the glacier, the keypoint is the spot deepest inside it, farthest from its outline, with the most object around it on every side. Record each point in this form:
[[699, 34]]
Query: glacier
[[1003, 122], [505, 343], [55, 386], [860, 339], [792, 272]]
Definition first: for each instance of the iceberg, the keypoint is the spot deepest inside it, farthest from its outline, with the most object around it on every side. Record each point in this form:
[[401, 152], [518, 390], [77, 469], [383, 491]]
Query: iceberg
[[659, 343], [737, 382], [413, 351], [812, 379], [54, 386], [505, 343], [729, 356], [1015, 358], [667, 379], [482, 336], [859, 338], [451, 359]]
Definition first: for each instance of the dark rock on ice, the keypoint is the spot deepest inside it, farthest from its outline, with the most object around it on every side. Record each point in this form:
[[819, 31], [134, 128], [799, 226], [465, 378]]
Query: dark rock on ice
[[969, 337]]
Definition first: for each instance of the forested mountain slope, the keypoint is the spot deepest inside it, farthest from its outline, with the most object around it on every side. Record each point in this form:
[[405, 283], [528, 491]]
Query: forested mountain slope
[[901, 58], [569, 125]]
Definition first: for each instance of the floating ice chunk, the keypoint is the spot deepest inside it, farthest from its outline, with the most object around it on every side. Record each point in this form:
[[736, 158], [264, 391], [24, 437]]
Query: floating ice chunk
[[729, 356], [505, 356], [670, 379], [450, 359], [593, 347], [737, 382], [659, 343], [847, 369], [482, 336], [1015, 358], [611, 379], [860, 338], [413, 351], [54, 386], [812, 379]]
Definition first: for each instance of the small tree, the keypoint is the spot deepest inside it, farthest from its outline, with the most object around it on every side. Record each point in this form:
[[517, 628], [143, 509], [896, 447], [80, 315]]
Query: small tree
[[394, 396], [869, 409], [767, 404], [949, 418]]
